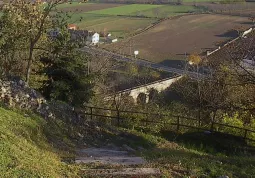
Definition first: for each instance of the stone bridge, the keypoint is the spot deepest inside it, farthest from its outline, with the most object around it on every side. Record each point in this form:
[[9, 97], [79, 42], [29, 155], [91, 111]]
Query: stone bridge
[[143, 92]]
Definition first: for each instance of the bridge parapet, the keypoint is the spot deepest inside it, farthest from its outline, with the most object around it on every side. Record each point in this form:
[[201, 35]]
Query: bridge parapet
[[159, 86]]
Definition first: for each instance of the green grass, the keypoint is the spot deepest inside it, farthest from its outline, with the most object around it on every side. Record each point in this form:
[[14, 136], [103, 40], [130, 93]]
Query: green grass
[[193, 156], [117, 26], [108, 19], [24, 148], [126, 10], [168, 10], [121, 27]]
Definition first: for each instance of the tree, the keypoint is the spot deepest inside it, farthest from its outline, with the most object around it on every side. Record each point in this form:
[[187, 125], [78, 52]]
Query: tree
[[25, 25], [194, 59], [25, 36], [66, 70], [230, 87]]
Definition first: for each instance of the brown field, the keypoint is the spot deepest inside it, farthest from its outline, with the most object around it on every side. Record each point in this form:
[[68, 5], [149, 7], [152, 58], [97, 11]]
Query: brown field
[[189, 34], [245, 9], [89, 7]]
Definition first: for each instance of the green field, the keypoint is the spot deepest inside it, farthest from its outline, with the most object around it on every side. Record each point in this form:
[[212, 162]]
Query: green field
[[126, 10], [126, 19], [168, 11], [121, 27], [117, 26]]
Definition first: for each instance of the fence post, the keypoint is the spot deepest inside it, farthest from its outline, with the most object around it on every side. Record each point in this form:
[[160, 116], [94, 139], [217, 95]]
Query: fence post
[[91, 113], [118, 118], [245, 134], [178, 123]]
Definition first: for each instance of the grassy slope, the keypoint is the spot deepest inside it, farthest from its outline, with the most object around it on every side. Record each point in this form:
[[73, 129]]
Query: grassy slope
[[194, 157], [24, 149]]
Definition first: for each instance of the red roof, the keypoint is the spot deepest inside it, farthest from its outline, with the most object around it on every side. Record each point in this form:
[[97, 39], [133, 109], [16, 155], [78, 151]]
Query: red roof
[[72, 26]]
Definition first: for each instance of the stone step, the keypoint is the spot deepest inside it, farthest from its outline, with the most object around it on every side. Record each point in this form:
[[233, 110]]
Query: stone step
[[112, 160], [123, 172], [98, 152]]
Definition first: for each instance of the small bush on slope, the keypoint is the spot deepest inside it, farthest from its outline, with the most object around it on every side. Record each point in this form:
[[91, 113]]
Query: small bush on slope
[[24, 150]]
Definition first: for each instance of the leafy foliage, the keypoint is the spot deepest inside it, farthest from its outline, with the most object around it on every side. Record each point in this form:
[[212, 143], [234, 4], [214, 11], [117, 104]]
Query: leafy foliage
[[67, 72]]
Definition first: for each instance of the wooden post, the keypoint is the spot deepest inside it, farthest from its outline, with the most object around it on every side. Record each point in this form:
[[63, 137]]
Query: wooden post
[[118, 118], [91, 113], [178, 123]]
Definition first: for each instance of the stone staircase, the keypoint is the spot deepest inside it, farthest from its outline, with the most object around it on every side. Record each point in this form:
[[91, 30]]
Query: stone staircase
[[122, 162]]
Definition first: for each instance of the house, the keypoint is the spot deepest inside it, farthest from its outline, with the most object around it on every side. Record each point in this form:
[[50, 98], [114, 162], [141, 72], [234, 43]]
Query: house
[[72, 27], [93, 38]]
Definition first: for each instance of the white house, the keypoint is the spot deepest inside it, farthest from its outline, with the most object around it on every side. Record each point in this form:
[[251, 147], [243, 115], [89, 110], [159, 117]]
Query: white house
[[95, 38]]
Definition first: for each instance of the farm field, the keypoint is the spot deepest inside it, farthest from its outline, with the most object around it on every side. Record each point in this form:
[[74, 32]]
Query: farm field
[[86, 7], [127, 9], [171, 39], [168, 11], [247, 8], [117, 26], [126, 19]]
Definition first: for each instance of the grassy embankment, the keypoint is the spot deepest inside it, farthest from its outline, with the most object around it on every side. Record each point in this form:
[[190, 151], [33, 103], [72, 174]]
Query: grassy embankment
[[194, 154], [25, 150]]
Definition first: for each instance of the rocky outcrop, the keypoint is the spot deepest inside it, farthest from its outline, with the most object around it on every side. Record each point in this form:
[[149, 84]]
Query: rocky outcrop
[[16, 94]]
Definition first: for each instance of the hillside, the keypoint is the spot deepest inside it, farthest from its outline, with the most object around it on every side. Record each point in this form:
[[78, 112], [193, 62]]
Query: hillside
[[24, 148]]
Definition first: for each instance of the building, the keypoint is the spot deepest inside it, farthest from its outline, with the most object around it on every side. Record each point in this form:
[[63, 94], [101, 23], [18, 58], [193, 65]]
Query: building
[[72, 27], [93, 38]]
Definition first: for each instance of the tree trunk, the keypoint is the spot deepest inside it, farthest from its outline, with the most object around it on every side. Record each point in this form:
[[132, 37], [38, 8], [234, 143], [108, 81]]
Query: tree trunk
[[30, 61]]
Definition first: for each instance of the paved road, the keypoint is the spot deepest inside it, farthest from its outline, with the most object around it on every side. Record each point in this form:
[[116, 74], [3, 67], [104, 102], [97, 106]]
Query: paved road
[[142, 62]]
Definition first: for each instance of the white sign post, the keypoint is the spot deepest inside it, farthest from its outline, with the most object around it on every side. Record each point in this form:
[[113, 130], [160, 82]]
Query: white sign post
[[136, 53]]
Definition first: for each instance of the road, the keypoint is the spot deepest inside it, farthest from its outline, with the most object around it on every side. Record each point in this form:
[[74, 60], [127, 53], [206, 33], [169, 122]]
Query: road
[[142, 62]]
